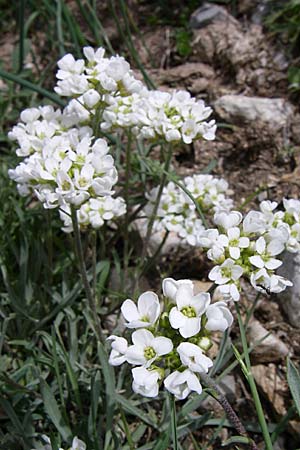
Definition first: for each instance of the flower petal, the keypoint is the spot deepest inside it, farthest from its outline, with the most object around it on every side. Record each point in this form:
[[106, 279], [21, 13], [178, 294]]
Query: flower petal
[[191, 327]]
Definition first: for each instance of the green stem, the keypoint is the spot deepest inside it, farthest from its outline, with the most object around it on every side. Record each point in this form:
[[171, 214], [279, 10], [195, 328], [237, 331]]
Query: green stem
[[173, 422], [153, 215], [126, 230], [83, 272], [252, 384], [21, 34]]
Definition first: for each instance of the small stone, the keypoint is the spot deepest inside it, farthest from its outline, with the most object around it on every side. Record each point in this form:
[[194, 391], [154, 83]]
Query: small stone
[[272, 385], [290, 298], [276, 112], [271, 348], [207, 14], [201, 286], [228, 387]]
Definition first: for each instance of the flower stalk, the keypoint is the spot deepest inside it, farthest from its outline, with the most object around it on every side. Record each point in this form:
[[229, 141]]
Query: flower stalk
[[252, 384], [83, 272]]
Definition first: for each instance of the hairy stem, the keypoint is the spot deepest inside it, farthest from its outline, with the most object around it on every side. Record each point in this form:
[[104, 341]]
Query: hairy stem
[[233, 418]]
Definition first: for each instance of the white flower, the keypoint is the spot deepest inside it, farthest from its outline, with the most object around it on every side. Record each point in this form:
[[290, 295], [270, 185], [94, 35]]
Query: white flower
[[234, 242], [227, 292], [77, 444], [292, 206], [145, 382], [119, 347], [254, 222], [219, 318], [91, 98], [260, 280], [186, 315], [192, 357], [171, 286], [144, 314], [146, 348], [226, 220], [266, 253], [278, 283], [182, 383], [228, 271]]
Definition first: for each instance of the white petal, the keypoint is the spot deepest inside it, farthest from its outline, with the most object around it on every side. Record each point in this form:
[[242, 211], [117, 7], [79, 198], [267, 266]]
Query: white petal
[[194, 383], [184, 296], [191, 327], [130, 311], [176, 318], [260, 245], [142, 337], [148, 307], [273, 264], [135, 355], [162, 345], [234, 252], [257, 261]]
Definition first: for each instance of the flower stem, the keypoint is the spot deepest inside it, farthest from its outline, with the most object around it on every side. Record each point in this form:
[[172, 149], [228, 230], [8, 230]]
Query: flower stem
[[83, 272], [228, 409], [173, 422], [153, 215], [252, 384], [126, 229]]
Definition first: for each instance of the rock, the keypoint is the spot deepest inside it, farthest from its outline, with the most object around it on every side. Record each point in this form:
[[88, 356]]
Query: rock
[[195, 77], [275, 112], [172, 242], [272, 385], [271, 349], [290, 298], [207, 14], [228, 387], [201, 286]]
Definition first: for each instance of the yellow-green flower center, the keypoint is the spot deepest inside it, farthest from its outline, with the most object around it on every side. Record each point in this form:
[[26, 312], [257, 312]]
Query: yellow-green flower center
[[149, 353], [145, 319], [189, 311]]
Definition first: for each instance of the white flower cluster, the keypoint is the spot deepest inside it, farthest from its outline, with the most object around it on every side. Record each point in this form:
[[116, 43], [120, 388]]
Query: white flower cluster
[[64, 165], [93, 80], [169, 346], [108, 84], [251, 246], [176, 211], [172, 116], [61, 165], [93, 213], [77, 444]]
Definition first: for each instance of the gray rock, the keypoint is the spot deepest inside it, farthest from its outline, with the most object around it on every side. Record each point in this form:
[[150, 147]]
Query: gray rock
[[207, 14], [228, 387], [271, 349], [290, 298], [276, 112]]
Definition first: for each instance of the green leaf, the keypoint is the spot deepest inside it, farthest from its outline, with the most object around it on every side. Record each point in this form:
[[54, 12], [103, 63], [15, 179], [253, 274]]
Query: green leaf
[[237, 440], [293, 379], [52, 409]]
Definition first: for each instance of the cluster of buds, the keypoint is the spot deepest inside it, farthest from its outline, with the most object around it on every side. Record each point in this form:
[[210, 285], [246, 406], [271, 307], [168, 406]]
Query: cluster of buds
[[251, 247], [77, 444], [177, 212], [170, 342]]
